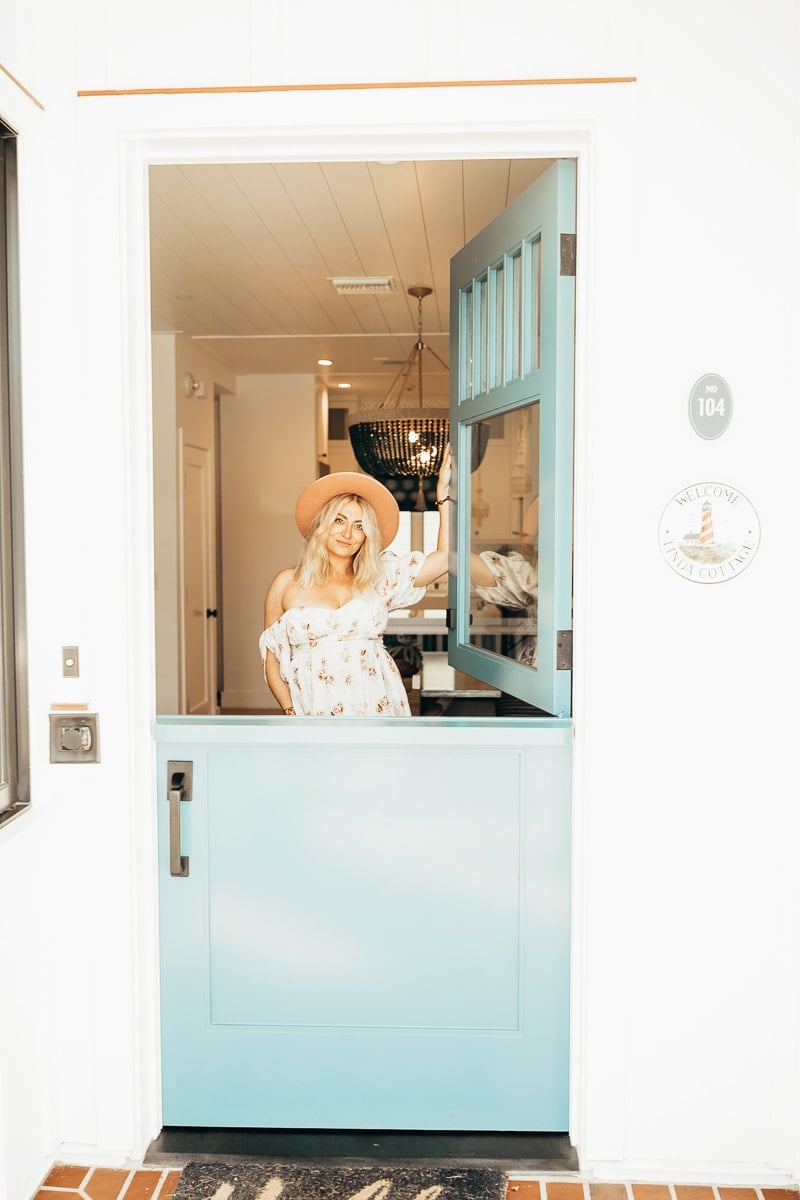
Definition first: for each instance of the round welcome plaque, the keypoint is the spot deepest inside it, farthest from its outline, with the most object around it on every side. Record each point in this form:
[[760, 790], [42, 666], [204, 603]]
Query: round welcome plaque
[[710, 407], [709, 532]]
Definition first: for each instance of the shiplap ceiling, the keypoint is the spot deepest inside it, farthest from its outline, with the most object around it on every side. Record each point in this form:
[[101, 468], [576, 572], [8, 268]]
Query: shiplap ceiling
[[242, 256]]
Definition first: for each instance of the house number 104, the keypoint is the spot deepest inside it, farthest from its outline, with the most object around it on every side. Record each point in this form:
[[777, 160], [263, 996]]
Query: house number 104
[[710, 406]]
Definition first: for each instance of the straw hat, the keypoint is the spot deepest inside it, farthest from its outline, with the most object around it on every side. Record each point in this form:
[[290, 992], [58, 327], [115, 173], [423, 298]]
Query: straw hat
[[345, 483]]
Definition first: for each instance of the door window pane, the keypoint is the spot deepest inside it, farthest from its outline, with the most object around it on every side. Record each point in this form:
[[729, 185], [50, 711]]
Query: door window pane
[[482, 332], [504, 538], [465, 326], [532, 319], [496, 325], [515, 316]]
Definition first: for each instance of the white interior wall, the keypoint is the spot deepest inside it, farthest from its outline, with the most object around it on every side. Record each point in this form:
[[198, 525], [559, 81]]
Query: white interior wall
[[268, 455], [685, 1025], [176, 418]]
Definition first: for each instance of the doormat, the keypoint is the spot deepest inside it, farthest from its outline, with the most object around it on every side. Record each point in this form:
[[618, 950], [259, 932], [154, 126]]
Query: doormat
[[295, 1181]]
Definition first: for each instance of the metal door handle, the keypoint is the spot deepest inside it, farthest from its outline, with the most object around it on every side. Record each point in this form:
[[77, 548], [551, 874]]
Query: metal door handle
[[179, 789]]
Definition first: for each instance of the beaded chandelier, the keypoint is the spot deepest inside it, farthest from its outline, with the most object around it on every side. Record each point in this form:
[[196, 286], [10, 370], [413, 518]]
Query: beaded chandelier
[[392, 441]]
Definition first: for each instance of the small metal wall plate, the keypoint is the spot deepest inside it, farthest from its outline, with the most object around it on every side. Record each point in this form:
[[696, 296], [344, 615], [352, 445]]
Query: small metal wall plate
[[74, 738]]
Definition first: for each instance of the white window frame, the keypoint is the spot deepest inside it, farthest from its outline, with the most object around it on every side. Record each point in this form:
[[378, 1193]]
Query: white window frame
[[14, 760]]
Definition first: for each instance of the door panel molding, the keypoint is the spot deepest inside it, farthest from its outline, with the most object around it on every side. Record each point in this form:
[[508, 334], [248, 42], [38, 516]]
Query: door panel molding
[[381, 941]]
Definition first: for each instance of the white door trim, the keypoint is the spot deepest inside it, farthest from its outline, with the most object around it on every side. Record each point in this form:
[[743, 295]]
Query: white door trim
[[304, 141]]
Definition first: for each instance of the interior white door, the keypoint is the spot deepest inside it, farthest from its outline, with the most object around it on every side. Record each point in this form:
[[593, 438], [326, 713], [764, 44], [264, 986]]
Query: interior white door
[[198, 643]]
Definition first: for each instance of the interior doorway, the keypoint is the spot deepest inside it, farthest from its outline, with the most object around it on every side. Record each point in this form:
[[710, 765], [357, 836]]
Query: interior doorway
[[272, 272], [323, 965]]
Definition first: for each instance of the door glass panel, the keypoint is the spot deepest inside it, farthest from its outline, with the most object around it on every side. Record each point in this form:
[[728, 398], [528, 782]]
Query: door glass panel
[[515, 316], [481, 298], [532, 351], [504, 537], [465, 328], [496, 315]]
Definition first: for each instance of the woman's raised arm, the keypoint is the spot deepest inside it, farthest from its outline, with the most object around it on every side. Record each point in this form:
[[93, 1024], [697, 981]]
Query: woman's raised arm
[[436, 562]]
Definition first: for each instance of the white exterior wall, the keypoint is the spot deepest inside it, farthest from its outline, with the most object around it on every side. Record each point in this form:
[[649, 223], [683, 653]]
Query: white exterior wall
[[686, 1005]]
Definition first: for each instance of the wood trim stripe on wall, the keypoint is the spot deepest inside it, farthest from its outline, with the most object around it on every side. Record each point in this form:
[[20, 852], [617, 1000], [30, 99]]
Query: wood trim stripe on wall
[[21, 87], [356, 87]]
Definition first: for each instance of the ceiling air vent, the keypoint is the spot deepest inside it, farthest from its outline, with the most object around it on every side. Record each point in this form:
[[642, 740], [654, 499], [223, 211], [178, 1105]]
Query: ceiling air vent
[[363, 285]]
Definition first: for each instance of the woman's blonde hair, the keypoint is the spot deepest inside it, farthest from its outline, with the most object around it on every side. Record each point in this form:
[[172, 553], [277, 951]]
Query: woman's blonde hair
[[314, 566]]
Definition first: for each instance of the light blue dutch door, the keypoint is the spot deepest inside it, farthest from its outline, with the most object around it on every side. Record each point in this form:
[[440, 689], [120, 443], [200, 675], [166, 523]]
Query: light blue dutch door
[[364, 924]]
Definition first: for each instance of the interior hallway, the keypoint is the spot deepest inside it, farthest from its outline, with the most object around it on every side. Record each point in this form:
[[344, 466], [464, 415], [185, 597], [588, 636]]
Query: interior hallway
[[144, 1183]]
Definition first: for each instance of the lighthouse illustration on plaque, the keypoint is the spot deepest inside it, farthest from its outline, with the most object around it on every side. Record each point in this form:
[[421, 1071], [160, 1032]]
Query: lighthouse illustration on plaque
[[703, 546]]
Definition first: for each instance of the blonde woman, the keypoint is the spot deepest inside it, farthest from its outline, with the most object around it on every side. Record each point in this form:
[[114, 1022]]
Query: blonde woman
[[324, 619]]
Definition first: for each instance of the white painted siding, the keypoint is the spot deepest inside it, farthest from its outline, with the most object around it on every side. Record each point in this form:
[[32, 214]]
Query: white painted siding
[[686, 1010]]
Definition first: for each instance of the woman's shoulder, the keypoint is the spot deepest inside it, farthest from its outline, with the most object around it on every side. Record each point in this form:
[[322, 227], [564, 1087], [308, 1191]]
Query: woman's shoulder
[[275, 601], [282, 580]]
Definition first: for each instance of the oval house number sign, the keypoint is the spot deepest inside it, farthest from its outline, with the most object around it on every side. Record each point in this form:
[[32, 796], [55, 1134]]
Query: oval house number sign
[[710, 407]]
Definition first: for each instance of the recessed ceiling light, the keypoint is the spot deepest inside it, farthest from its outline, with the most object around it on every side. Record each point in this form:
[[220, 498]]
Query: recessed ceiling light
[[324, 362], [343, 385], [362, 285]]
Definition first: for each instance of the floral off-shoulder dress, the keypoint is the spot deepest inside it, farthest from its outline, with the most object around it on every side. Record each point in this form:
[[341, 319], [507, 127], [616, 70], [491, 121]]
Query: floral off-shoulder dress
[[334, 660]]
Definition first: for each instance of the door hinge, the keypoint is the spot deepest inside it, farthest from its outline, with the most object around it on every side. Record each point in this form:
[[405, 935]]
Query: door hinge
[[450, 618], [564, 650], [568, 253]]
